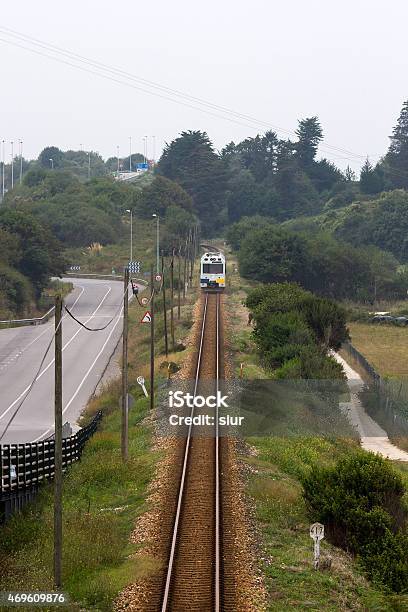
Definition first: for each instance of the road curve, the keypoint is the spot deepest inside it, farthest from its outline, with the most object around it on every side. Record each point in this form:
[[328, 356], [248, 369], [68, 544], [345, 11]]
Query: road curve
[[85, 356]]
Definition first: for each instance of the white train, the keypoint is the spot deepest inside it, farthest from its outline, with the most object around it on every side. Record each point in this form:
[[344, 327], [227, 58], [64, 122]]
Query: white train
[[212, 270]]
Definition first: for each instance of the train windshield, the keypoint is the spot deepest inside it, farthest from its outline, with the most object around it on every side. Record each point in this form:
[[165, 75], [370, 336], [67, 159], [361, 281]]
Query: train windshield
[[213, 268]]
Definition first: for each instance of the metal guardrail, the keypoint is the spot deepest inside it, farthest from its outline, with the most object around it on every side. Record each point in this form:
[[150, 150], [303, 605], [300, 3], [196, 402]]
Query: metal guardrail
[[25, 466], [34, 321]]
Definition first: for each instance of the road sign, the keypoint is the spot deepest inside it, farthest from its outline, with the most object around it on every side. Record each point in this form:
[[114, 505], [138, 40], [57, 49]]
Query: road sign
[[141, 382], [75, 268], [317, 531], [158, 277], [135, 288], [134, 267], [144, 301], [147, 318]]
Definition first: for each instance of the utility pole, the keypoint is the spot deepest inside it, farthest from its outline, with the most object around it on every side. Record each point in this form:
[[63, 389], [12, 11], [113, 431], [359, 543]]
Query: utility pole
[[58, 444], [179, 286], [124, 432], [185, 271], [130, 154], [172, 300], [152, 342], [166, 341], [89, 165]]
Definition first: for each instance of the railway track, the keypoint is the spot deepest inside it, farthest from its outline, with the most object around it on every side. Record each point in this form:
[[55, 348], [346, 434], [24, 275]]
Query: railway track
[[194, 579]]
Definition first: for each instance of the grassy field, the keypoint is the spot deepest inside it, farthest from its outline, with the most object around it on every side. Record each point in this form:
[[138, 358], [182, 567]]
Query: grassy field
[[274, 467], [385, 347], [102, 496]]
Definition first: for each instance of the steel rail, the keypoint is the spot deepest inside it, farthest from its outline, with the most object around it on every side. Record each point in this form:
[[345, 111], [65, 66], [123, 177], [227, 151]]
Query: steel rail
[[172, 555]]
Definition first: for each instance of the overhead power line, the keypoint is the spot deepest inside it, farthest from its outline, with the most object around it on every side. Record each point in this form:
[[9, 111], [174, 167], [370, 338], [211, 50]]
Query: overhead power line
[[156, 89]]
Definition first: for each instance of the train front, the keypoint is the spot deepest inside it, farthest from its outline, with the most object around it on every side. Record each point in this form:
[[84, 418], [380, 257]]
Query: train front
[[212, 271]]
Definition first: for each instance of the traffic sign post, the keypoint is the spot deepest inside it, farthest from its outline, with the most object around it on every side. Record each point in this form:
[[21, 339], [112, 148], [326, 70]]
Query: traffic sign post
[[134, 267], [317, 534], [144, 301], [147, 317]]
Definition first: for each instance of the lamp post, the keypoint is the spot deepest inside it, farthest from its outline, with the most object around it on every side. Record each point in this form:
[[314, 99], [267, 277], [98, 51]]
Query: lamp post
[[130, 154], [12, 164], [21, 161], [117, 155], [3, 164], [157, 242], [131, 233], [52, 163], [89, 165]]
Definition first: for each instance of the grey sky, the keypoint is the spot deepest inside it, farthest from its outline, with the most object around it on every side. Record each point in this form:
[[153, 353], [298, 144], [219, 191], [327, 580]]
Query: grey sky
[[276, 61]]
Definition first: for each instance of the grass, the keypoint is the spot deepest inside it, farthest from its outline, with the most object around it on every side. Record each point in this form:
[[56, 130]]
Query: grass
[[275, 466], [384, 346], [102, 497]]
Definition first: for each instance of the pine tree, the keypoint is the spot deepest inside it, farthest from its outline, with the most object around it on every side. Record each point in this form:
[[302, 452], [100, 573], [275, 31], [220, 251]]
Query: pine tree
[[309, 134], [396, 161]]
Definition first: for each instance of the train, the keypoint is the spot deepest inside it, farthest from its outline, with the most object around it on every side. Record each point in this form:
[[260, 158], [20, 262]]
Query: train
[[212, 271]]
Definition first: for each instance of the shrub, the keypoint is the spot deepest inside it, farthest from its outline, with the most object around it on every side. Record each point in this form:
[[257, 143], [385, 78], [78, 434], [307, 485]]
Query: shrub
[[359, 500]]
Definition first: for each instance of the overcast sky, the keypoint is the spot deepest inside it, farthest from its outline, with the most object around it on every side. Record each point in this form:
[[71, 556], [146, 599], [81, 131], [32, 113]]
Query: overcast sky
[[275, 61]]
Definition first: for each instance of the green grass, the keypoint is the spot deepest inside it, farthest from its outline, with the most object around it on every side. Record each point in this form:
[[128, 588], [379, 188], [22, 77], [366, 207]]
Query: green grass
[[287, 553], [384, 346], [275, 468]]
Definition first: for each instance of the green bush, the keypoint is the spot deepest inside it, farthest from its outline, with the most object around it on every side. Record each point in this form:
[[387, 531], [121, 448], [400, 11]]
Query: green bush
[[359, 501]]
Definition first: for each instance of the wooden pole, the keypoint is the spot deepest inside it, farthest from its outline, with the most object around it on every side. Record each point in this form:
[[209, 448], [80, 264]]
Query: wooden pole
[[172, 300], [125, 408], [152, 342], [166, 341], [185, 271], [58, 445], [179, 286]]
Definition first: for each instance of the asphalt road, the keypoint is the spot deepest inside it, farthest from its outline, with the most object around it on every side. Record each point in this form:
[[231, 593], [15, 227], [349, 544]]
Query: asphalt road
[[85, 356]]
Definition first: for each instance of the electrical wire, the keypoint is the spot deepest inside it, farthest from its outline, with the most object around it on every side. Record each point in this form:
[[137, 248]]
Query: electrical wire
[[32, 383], [100, 66], [97, 329]]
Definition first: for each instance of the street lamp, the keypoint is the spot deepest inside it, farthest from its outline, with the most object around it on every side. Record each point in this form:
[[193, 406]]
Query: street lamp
[[89, 165], [2, 173], [52, 163], [130, 154], [131, 233], [117, 150], [21, 161], [157, 241], [12, 164]]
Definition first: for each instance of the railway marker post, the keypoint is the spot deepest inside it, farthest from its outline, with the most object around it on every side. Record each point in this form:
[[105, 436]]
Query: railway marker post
[[125, 416], [152, 343], [58, 444], [317, 534]]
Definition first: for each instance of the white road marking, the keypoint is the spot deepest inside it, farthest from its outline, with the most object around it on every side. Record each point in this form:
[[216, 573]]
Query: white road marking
[[46, 330], [51, 363], [85, 377]]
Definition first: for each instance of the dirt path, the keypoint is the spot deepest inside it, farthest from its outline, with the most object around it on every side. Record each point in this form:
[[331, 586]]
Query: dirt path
[[373, 437]]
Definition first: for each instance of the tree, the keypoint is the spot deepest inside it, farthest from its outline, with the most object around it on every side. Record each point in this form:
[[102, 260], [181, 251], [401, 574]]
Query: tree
[[396, 160], [309, 134], [49, 153], [349, 175], [371, 180], [191, 161], [161, 194]]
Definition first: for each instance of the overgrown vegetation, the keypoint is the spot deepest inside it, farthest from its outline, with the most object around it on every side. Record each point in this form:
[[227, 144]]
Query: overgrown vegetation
[[360, 502], [294, 330]]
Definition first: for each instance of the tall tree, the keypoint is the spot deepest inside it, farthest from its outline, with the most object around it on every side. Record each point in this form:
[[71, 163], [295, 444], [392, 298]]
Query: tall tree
[[191, 161], [309, 134], [396, 160], [371, 179]]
